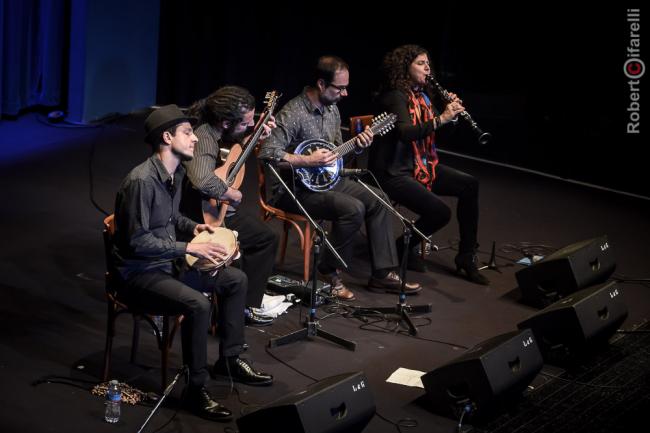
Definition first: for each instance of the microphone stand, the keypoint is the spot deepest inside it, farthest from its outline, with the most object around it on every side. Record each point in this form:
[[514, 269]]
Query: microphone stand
[[402, 309], [492, 264], [312, 327], [168, 390]]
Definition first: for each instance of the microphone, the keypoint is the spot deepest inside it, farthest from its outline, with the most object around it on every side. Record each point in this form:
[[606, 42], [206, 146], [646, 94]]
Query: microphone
[[277, 162], [352, 171], [272, 159]]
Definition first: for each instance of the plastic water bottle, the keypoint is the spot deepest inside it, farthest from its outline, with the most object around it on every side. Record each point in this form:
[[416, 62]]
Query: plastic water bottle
[[113, 401]]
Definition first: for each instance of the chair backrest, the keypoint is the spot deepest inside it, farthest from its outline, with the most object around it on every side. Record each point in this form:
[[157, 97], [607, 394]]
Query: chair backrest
[[359, 123], [111, 271], [261, 183], [108, 232], [266, 210]]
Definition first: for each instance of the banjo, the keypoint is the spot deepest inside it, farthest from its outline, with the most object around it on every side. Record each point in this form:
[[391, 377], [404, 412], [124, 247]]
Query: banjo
[[324, 178]]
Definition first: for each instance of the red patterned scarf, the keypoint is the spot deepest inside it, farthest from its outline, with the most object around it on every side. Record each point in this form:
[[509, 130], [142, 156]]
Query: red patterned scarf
[[424, 149]]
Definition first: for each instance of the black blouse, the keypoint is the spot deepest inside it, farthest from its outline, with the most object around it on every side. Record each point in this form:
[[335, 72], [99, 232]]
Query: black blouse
[[392, 154]]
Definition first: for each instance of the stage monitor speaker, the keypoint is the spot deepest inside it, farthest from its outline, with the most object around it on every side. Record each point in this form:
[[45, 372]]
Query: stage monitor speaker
[[340, 403], [571, 268], [487, 377], [578, 323]]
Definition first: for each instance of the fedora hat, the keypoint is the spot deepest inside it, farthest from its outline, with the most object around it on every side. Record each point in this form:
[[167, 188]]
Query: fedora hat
[[164, 118]]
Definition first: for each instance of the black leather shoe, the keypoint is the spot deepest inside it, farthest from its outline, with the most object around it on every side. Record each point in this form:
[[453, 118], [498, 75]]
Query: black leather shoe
[[200, 403], [241, 371], [392, 283], [466, 262], [254, 319]]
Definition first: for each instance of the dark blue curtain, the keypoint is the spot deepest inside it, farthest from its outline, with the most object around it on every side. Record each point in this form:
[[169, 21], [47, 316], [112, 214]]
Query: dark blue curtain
[[32, 44]]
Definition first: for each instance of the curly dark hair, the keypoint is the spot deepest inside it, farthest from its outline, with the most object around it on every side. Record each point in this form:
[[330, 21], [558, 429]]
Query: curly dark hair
[[227, 103], [395, 66]]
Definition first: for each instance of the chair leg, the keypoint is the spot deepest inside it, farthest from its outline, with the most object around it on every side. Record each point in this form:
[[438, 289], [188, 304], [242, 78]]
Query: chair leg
[[164, 356], [284, 240], [110, 333], [135, 339]]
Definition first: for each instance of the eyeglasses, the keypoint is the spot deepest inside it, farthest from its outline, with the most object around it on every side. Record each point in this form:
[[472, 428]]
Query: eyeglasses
[[341, 89]]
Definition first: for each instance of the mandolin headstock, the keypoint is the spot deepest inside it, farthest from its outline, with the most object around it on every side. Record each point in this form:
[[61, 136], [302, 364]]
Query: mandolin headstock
[[383, 123]]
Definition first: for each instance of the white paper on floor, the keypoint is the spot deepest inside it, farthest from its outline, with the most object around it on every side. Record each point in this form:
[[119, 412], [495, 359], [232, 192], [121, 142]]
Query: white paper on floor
[[404, 376]]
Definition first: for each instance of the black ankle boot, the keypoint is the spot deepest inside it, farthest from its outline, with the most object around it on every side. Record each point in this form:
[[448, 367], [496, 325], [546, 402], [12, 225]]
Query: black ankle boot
[[467, 262]]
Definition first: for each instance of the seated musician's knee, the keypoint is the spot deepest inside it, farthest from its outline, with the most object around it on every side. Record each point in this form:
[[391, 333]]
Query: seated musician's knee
[[354, 212]]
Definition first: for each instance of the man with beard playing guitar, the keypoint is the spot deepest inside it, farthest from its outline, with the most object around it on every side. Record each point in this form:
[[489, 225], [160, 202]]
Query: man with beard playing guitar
[[228, 116]]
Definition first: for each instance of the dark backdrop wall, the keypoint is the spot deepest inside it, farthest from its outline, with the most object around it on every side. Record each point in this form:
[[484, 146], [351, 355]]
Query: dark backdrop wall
[[547, 82]]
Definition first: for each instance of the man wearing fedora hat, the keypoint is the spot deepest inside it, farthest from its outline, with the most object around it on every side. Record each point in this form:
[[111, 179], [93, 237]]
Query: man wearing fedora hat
[[147, 253]]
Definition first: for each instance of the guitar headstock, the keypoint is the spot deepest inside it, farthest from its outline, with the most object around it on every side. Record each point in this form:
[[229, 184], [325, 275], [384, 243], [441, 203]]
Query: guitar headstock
[[383, 123], [271, 100]]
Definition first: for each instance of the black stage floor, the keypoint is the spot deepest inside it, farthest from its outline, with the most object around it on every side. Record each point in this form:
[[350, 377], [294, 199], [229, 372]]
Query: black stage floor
[[53, 310]]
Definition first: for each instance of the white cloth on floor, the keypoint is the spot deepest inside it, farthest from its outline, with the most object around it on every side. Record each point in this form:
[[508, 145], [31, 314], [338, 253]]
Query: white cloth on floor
[[270, 302], [280, 308]]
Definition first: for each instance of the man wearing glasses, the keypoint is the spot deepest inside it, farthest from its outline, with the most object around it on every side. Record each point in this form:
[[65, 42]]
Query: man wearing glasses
[[314, 115]]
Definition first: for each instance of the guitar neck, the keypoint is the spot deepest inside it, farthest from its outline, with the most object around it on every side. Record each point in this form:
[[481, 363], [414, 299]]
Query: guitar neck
[[347, 147], [248, 148]]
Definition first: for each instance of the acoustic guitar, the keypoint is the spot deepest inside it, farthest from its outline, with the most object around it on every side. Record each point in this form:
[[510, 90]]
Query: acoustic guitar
[[232, 171]]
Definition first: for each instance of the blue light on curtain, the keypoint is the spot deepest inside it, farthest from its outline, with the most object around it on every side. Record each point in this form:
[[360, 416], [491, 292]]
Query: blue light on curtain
[[32, 38]]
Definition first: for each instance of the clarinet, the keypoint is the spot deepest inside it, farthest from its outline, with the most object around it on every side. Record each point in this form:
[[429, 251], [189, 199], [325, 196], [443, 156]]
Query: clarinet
[[483, 137]]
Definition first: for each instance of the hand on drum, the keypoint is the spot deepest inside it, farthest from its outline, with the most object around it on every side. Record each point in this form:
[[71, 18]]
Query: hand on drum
[[207, 250], [203, 228]]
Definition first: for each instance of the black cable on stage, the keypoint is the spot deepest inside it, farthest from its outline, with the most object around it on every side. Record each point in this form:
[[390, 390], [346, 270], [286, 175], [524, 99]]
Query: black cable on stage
[[289, 365], [543, 373], [183, 396], [404, 422], [63, 380]]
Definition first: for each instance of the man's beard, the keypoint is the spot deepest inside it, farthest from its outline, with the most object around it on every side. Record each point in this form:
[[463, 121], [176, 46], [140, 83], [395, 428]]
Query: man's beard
[[327, 102], [236, 137]]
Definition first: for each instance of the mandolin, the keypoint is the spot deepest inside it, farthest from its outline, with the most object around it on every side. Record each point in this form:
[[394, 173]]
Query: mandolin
[[324, 178]]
